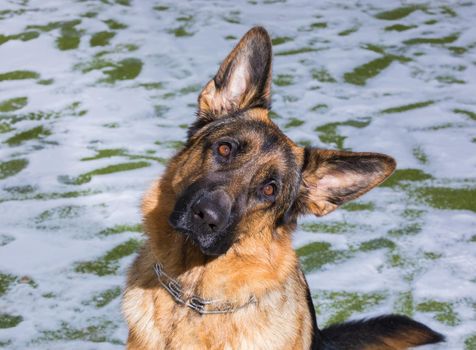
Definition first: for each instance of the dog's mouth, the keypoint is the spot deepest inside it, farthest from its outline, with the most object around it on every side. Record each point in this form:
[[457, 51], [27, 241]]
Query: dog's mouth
[[208, 244], [205, 217]]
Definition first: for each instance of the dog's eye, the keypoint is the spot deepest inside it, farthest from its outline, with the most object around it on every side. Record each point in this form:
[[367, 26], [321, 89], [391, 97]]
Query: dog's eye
[[269, 190], [224, 149]]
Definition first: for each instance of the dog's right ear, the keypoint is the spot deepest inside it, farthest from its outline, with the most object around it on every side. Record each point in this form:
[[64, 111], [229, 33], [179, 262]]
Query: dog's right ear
[[331, 178], [243, 80]]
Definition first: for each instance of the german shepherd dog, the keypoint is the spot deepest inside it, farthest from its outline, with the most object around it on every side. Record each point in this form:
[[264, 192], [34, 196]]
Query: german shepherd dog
[[218, 270]]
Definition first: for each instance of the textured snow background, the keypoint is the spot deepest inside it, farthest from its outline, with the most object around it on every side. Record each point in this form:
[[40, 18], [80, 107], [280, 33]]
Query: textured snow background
[[96, 95]]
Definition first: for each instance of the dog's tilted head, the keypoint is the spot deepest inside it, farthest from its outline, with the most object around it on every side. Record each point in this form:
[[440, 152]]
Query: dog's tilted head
[[239, 175]]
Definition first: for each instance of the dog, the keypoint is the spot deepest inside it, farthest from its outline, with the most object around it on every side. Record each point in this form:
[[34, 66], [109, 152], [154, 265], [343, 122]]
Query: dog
[[218, 270]]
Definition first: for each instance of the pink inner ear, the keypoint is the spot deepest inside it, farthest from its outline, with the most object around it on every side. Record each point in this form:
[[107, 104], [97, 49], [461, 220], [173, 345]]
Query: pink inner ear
[[337, 179], [329, 181], [238, 83]]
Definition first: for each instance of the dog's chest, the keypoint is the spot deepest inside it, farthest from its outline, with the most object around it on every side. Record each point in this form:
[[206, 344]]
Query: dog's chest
[[275, 322]]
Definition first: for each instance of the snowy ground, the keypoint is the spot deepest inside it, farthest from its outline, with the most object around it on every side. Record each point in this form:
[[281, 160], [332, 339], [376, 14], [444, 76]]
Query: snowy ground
[[96, 95]]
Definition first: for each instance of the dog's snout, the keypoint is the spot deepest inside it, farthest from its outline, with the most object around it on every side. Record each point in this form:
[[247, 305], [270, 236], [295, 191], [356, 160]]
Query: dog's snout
[[212, 210]]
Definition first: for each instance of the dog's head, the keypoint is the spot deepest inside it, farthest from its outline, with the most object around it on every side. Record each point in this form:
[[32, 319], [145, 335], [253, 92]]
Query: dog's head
[[239, 175]]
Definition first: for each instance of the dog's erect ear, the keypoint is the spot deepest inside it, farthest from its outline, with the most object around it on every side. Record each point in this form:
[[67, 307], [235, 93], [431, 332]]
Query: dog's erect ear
[[243, 80], [331, 178]]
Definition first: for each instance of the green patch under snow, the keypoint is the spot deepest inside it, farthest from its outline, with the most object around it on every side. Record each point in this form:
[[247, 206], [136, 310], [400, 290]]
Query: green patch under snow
[[322, 75], [470, 343], [109, 263], [181, 32], [348, 31], [398, 13], [399, 27], [20, 196], [12, 167], [342, 305], [449, 79], [295, 51], [54, 25], [114, 24], [25, 36], [13, 104], [328, 132], [281, 40], [283, 80], [106, 153], [125, 69], [105, 297], [294, 122], [19, 75], [406, 230], [152, 86], [318, 25], [408, 107], [5, 239], [70, 36], [448, 198], [6, 280], [30, 134], [432, 255], [420, 155], [358, 206], [328, 227], [470, 114], [404, 304], [61, 212], [377, 243], [96, 333], [457, 50], [361, 74], [317, 254], [161, 8], [442, 40], [9, 321], [119, 152], [121, 229], [320, 108], [101, 38], [86, 177], [401, 176], [442, 311], [171, 144]]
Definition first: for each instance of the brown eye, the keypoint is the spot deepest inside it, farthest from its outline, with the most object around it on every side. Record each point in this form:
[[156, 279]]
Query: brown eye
[[224, 149], [268, 190]]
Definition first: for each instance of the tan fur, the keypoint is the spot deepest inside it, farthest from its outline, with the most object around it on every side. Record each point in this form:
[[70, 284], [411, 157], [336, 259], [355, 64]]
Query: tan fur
[[261, 267], [401, 341]]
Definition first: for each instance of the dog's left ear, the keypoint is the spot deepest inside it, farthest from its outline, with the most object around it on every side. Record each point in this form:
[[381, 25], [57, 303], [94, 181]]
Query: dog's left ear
[[331, 178], [243, 80]]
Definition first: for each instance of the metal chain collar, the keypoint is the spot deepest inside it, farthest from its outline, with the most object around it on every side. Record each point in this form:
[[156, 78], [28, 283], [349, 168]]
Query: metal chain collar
[[201, 306]]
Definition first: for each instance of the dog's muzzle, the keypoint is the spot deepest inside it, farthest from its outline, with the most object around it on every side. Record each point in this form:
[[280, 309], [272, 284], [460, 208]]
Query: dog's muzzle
[[211, 211], [205, 216]]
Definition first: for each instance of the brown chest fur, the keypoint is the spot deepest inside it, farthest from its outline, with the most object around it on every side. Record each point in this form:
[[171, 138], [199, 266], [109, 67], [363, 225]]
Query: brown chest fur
[[278, 320]]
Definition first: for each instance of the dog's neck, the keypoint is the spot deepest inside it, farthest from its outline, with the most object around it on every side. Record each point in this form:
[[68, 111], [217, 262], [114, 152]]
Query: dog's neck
[[225, 277]]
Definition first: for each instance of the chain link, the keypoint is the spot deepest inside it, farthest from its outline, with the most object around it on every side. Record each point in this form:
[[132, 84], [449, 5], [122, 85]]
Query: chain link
[[202, 306]]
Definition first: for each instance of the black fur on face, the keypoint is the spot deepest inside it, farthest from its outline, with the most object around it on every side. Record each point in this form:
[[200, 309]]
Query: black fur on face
[[213, 208], [212, 240]]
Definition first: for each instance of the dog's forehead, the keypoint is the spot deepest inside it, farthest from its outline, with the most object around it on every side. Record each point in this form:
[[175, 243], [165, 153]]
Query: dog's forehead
[[257, 131]]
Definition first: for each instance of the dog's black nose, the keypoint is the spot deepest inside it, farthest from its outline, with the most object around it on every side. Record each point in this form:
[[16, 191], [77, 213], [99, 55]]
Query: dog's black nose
[[212, 210]]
